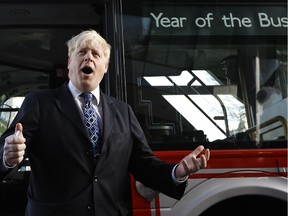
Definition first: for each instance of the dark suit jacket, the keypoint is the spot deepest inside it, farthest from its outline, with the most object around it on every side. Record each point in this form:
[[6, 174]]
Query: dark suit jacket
[[66, 179]]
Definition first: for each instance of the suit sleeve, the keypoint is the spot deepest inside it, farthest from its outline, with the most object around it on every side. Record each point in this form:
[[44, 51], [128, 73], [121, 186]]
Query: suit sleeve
[[147, 168]]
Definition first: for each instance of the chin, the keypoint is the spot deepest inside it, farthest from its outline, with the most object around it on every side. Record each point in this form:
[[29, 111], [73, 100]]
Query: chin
[[88, 86]]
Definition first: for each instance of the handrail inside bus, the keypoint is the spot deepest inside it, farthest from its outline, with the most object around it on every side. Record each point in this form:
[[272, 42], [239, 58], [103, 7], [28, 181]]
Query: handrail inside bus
[[227, 133], [270, 122]]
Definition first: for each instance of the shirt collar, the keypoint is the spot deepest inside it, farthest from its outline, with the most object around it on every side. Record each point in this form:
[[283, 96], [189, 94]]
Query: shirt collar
[[76, 92]]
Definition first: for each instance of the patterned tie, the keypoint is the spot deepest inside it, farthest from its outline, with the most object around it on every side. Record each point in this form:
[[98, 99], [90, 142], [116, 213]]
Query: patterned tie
[[91, 121]]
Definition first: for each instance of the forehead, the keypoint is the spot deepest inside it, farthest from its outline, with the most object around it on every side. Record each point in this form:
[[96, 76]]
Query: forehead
[[88, 43], [87, 47]]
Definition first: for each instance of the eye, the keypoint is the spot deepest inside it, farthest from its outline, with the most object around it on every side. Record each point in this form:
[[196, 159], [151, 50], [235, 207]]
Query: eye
[[81, 52], [96, 54]]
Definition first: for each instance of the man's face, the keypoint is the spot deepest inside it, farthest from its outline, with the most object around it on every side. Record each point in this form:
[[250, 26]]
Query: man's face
[[87, 67]]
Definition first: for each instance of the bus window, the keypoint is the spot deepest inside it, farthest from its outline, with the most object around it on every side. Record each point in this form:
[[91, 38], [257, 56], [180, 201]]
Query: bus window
[[8, 111], [31, 59], [205, 73], [33, 56], [33, 47]]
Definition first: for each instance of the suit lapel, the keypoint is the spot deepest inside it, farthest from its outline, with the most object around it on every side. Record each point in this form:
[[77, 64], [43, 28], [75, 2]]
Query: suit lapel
[[109, 112], [66, 104]]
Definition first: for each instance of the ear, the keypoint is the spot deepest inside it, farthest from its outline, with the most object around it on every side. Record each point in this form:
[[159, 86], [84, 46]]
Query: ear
[[68, 62], [106, 67]]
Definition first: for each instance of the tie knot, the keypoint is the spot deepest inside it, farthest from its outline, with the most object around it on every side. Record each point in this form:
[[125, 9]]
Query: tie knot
[[87, 96]]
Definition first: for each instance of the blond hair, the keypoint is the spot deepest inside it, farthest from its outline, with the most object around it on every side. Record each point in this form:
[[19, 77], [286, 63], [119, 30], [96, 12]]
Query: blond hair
[[91, 39]]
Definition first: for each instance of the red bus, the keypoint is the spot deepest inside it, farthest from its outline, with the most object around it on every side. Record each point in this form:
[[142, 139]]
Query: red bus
[[195, 72]]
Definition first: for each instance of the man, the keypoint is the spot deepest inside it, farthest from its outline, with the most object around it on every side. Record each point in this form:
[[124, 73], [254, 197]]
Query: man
[[67, 177]]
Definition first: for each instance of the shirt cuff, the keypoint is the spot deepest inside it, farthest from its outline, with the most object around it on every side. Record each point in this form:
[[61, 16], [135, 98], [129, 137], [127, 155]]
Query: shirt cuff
[[6, 166], [176, 181]]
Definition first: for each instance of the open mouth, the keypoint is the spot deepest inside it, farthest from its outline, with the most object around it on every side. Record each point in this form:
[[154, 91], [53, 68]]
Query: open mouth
[[87, 70]]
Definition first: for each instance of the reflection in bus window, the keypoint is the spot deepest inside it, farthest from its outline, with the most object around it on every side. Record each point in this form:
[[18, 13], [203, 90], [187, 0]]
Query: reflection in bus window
[[8, 111], [189, 105], [189, 82]]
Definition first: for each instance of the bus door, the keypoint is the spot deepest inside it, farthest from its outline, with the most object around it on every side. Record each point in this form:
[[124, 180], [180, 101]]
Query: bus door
[[33, 56]]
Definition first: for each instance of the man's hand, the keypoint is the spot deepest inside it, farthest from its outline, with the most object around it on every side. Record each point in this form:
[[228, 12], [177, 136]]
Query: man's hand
[[192, 163], [14, 147]]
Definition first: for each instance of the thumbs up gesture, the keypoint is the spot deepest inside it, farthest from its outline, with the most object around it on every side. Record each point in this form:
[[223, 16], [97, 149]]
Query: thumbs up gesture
[[14, 147]]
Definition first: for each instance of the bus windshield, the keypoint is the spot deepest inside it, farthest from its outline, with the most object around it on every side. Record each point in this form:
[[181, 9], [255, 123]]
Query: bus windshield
[[200, 73]]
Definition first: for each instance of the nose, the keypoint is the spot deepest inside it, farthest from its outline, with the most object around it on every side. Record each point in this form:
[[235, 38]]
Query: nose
[[88, 56]]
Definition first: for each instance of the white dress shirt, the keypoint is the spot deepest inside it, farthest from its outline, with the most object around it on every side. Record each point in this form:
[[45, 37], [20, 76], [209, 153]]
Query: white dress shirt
[[80, 101]]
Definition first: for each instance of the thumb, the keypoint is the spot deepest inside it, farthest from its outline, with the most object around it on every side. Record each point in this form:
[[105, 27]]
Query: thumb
[[18, 129]]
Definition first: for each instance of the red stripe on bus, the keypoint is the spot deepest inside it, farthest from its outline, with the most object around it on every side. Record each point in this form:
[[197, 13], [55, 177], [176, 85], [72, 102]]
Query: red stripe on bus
[[157, 205], [236, 158], [237, 175]]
